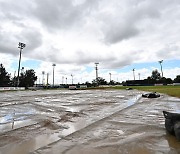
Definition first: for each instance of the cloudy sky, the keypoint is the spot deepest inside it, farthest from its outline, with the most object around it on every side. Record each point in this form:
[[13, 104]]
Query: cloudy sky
[[74, 34]]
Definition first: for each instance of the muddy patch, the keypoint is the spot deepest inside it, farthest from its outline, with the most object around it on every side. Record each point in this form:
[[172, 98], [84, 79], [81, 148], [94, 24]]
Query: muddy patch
[[69, 116]]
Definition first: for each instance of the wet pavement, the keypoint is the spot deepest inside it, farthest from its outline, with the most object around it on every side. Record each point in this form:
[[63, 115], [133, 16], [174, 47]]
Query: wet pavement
[[85, 122]]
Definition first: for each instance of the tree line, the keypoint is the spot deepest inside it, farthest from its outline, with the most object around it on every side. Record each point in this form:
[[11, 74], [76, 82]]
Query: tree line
[[26, 79], [155, 78]]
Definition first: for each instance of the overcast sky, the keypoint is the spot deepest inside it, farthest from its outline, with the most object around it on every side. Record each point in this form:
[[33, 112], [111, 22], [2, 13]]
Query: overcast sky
[[74, 34]]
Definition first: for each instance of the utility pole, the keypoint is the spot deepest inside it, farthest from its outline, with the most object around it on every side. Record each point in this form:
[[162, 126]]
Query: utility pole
[[160, 62], [133, 73], [96, 68], [21, 46], [53, 73]]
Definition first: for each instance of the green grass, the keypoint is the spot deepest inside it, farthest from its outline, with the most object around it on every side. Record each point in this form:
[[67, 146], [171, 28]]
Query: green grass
[[169, 90]]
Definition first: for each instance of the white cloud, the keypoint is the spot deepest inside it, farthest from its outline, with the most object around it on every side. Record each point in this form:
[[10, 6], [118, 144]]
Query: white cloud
[[76, 33]]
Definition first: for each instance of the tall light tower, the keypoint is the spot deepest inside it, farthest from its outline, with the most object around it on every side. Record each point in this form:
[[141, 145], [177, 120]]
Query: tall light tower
[[47, 80], [53, 65], [21, 46], [43, 77], [72, 78], [139, 75], [22, 70], [133, 73], [96, 68], [62, 79], [160, 62], [110, 77]]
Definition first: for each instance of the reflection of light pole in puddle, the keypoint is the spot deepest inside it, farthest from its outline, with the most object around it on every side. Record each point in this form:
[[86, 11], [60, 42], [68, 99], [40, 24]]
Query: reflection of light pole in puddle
[[13, 119]]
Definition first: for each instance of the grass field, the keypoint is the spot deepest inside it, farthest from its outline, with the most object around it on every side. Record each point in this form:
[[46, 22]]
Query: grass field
[[169, 90]]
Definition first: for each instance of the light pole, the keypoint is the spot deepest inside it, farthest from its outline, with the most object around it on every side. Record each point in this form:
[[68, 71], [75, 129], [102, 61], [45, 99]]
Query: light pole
[[139, 75], [21, 46], [110, 77], [53, 73], [22, 70], [160, 62], [96, 68], [62, 79], [133, 73], [43, 77], [66, 80], [14, 78], [47, 79], [72, 78]]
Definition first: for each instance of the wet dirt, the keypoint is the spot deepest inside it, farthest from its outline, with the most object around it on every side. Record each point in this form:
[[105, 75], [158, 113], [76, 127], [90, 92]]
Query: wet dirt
[[85, 122]]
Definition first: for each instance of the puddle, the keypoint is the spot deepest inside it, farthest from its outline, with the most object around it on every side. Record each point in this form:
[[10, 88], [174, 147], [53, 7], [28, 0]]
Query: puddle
[[15, 124], [31, 144]]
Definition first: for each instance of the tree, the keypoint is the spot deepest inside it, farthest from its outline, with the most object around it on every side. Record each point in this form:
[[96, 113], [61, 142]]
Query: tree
[[4, 77], [112, 82], [88, 84], [27, 79], [155, 75], [99, 81], [177, 79]]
